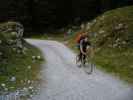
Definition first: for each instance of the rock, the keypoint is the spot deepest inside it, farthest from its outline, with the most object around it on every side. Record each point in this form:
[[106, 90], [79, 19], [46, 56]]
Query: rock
[[12, 31]]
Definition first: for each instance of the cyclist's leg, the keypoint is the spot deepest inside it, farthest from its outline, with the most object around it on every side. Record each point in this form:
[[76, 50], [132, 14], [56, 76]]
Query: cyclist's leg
[[84, 59], [79, 55]]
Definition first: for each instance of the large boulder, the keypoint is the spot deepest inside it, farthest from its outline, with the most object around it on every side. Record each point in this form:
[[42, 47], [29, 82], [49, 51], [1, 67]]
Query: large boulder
[[11, 38], [11, 33]]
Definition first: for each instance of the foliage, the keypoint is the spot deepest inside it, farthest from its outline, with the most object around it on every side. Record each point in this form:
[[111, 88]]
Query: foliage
[[51, 14]]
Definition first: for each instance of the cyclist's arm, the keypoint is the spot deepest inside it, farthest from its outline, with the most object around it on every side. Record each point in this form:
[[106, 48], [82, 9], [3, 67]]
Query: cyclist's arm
[[81, 47]]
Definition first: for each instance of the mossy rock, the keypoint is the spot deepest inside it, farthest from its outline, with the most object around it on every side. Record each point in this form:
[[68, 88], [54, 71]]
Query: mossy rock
[[11, 30]]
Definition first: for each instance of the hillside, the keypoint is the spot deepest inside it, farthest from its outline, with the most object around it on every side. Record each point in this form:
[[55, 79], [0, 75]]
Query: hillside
[[112, 36], [114, 28]]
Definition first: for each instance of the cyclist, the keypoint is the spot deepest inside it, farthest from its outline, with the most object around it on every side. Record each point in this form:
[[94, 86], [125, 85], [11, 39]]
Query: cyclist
[[84, 44]]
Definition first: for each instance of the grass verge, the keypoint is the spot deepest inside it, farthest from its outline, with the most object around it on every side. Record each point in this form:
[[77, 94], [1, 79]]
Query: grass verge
[[116, 61], [20, 67]]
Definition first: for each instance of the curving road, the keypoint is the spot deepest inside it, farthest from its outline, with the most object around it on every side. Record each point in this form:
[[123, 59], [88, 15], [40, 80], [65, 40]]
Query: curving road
[[62, 80]]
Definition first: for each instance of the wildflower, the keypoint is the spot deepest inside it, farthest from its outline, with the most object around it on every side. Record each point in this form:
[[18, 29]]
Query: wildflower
[[101, 31], [33, 57], [13, 79], [38, 57], [3, 85], [29, 82], [29, 67], [31, 87]]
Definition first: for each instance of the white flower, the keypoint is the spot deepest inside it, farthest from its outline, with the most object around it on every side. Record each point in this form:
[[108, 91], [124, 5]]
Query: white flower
[[29, 67], [38, 57], [14, 33], [3, 85], [33, 57], [29, 82], [6, 89], [13, 79], [31, 87]]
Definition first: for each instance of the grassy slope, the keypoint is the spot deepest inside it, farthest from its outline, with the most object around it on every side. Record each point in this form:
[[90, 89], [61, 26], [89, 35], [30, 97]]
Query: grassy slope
[[17, 65], [114, 60], [117, 62]]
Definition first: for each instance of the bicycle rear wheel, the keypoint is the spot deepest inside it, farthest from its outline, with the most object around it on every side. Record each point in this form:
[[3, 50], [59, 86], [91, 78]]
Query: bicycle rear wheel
[[89, 66]]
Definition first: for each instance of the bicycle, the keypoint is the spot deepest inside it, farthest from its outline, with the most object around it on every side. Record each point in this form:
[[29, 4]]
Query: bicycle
[[86, 63]]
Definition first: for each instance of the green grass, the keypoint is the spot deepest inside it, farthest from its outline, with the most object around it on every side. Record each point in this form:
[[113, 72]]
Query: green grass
[[116, 61], [17, 65]]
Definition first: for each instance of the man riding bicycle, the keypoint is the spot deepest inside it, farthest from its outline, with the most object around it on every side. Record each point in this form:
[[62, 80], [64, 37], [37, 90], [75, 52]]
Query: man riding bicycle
[[83, 45]]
